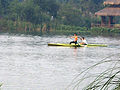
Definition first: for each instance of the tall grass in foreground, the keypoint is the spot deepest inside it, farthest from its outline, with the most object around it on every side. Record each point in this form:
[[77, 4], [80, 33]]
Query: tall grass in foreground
[[0, 85], [108, 79]]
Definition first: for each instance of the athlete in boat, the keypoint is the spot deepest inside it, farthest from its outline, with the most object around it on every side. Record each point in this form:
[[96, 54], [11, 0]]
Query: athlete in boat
[[83, 41], [75, 39]]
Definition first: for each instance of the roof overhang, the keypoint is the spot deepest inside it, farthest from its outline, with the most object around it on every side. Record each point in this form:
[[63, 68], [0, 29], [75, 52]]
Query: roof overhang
[[109, 11], [112, 2]]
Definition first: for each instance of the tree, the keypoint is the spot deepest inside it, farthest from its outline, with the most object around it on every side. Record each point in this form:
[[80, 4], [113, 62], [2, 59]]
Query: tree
[[68, 12], [4, 6], [49, 6]]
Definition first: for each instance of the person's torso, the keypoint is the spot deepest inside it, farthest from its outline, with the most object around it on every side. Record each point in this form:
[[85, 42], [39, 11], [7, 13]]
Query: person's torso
[[76, 38], [84, 41]]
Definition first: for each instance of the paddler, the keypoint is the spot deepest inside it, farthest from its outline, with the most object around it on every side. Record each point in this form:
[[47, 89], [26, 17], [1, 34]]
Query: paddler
[[75, 39], [83, 41]]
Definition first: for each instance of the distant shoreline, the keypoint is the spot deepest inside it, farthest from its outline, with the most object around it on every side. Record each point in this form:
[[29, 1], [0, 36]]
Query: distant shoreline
[[20, 27]]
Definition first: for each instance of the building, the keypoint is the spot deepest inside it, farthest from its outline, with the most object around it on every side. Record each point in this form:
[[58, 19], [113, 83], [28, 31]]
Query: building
[[108, 14]]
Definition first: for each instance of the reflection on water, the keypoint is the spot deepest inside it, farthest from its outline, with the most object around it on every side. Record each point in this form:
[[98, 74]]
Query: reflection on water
[[27, 63]]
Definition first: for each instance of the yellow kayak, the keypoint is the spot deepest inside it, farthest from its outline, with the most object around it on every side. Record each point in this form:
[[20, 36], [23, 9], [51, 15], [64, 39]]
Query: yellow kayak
[[76, 45]]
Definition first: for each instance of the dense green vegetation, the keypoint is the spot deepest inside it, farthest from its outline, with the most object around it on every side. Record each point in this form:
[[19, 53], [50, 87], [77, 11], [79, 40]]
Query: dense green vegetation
[[67, 16], [50, 12], [68, 12]]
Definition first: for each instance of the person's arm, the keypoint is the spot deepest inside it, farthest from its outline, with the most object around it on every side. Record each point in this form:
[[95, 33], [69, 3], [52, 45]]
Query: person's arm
[[73, 37], [80, 38]]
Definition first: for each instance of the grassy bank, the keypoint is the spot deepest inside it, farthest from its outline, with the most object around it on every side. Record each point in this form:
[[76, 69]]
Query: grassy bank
[[52, 28], [105, 31]]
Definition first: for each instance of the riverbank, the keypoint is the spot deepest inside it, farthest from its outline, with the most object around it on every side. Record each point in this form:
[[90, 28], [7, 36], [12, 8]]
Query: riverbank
[[21, 27]]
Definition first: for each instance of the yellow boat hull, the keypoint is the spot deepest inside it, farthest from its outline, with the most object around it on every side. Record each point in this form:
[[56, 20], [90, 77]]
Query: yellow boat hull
[[76, 45]]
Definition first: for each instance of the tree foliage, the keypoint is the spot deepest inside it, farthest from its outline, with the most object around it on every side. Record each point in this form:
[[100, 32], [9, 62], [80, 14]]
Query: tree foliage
[[67, 12]]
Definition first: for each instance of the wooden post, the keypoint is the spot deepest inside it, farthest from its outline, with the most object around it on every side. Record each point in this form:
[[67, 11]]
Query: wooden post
[[103, 20], [111, 21]]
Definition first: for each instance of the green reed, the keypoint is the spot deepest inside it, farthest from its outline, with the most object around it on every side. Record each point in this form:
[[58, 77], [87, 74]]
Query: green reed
[[108, 79]]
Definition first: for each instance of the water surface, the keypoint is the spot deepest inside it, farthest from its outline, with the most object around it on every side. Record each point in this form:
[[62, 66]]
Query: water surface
[[27, 63]]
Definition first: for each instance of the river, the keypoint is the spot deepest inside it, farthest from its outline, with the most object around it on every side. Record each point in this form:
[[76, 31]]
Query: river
[[27, 63]]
